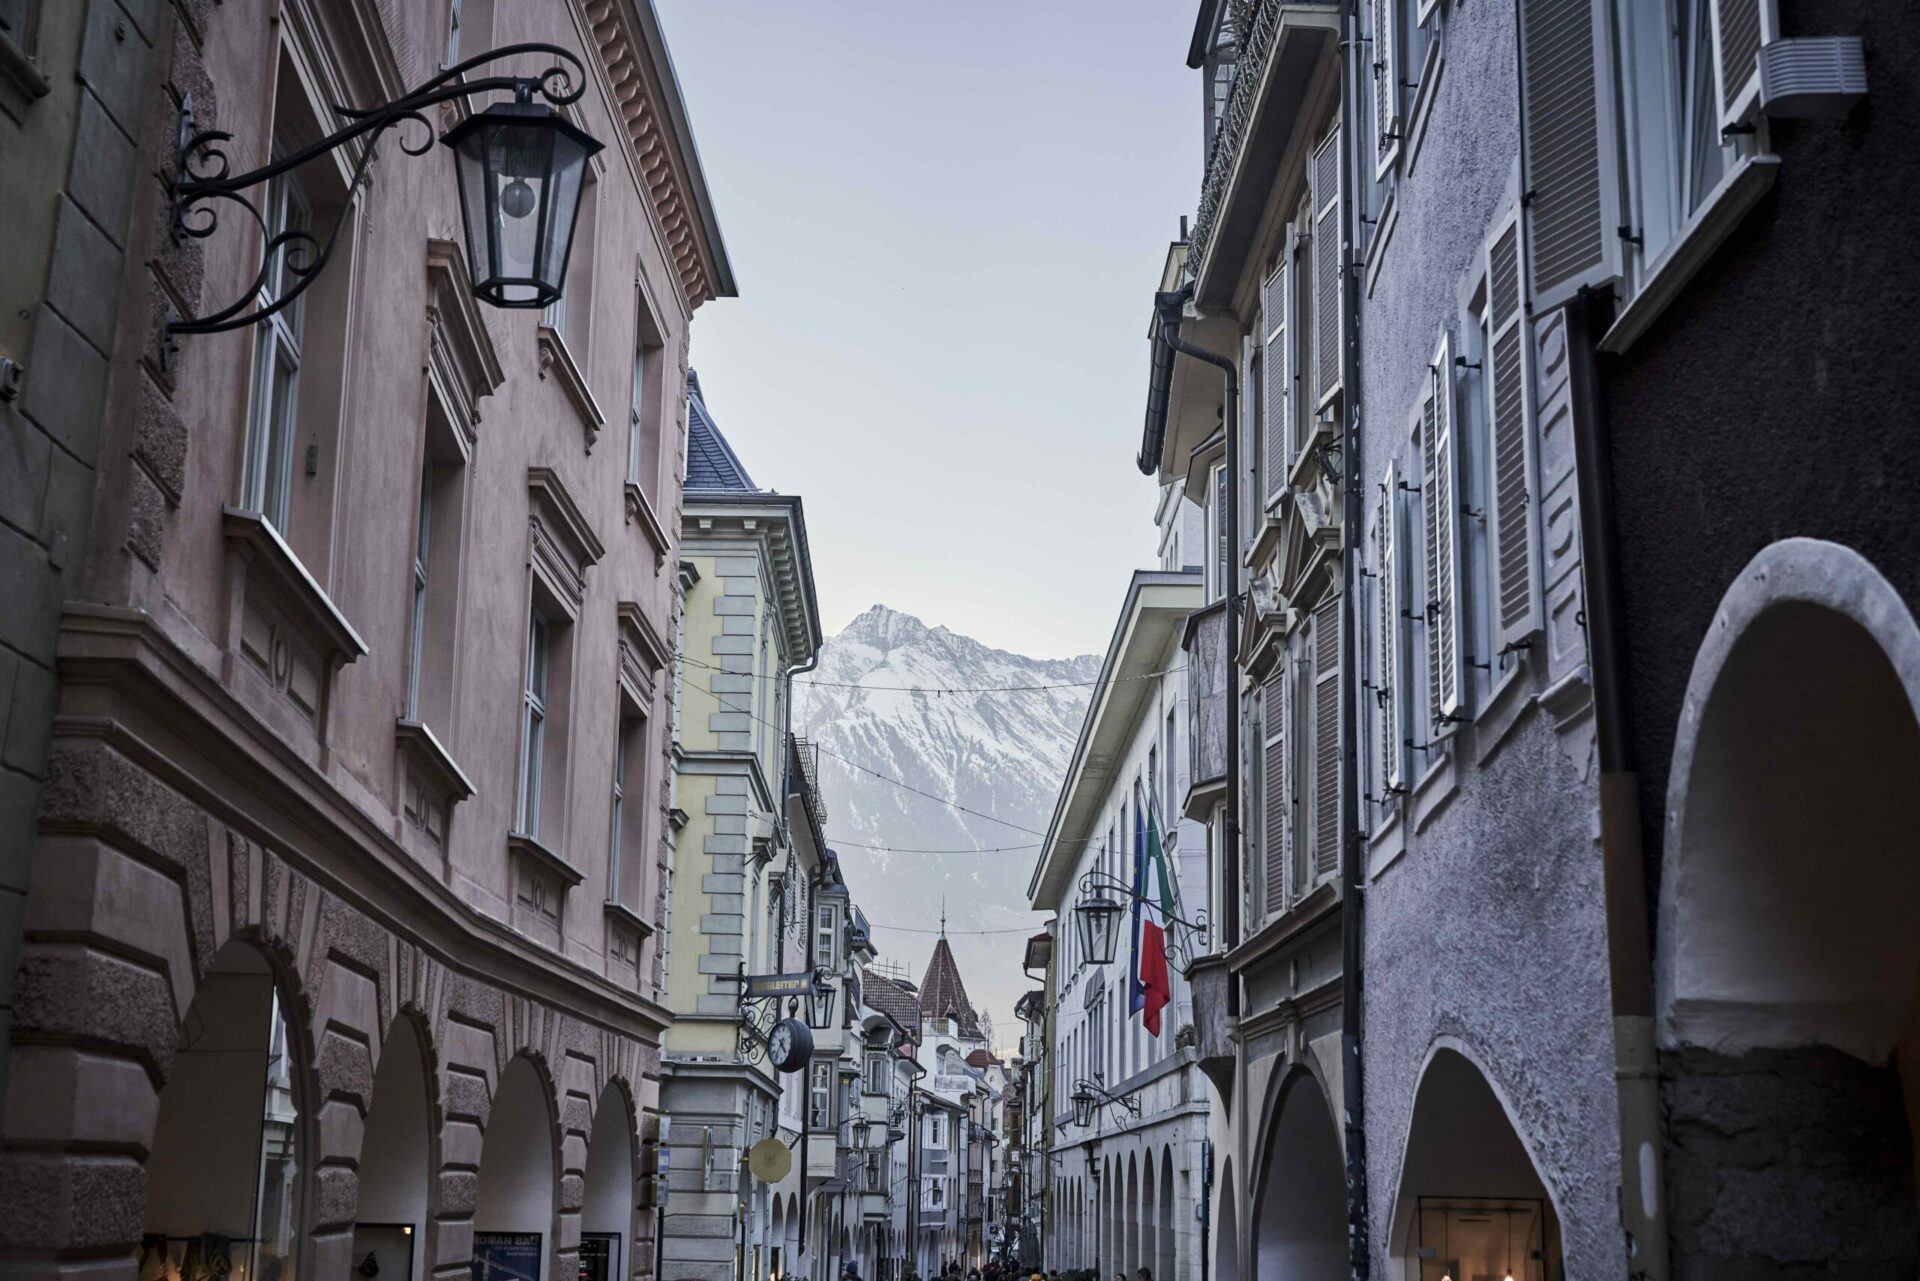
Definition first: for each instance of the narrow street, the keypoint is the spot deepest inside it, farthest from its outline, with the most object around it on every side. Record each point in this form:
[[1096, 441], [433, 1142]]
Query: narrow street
[[725, 640]]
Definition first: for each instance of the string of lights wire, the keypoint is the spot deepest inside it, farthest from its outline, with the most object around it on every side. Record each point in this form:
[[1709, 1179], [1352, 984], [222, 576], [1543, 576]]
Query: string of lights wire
[[946, 689]]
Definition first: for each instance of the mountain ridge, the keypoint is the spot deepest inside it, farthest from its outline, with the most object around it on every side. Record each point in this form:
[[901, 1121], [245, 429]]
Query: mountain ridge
[[981, 728]]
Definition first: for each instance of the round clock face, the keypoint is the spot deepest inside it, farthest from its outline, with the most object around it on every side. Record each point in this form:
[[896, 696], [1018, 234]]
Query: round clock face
[[790, 1045]]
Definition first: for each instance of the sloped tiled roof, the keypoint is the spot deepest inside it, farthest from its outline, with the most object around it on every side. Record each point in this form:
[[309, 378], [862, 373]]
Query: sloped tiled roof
[[711, 462], [942, 992], [893, 999]]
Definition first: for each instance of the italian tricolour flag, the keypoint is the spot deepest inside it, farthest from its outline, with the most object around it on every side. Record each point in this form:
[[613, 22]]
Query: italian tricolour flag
[[1152, 984]]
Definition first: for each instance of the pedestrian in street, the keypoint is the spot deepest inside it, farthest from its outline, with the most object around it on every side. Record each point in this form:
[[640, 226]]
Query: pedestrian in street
[[1145, 1274]]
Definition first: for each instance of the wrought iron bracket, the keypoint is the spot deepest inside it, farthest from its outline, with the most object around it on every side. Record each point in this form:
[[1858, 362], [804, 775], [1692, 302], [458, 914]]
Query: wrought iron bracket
[[203, 176], [1186, 941]]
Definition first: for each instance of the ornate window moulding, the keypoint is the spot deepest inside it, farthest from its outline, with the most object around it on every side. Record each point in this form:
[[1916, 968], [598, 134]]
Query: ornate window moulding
[[643, 656], [557, 362], [461, 359], [562, 546]]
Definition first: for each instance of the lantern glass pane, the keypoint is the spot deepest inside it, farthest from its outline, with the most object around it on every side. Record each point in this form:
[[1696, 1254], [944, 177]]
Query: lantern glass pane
[[520, 170]]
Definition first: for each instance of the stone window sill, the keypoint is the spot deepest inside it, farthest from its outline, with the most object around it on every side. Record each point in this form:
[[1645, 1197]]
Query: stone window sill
[[418, 744], [1724, 208], [624, 915], [529, 848], [558, 363], [640, 512], [270, 559]]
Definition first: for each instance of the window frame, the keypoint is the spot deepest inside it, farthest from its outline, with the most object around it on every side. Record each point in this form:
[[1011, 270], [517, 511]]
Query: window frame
[[533, 721], [273, 408]]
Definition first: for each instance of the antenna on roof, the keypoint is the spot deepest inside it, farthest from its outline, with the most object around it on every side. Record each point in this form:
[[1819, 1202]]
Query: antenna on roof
[[943, 916]]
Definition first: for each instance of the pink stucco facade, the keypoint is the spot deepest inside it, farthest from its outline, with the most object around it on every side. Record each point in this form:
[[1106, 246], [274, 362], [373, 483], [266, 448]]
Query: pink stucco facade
[[290, 744]]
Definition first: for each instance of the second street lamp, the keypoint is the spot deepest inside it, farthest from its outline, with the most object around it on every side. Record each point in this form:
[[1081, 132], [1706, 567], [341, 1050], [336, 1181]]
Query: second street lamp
[[1098, 920], [1083, 1107], [820, 1002], [521, 167]]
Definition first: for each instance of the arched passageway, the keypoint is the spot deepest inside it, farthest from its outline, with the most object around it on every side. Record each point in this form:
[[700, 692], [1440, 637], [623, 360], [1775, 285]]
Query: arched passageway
[[1300, 1223], [513, 1215], [1470, 1202], [1130, 1217], [1148, 1211], [1789, 927], [1226, 1229], [395, 1160], [1169, 1233], [230, 1136], [606, 1210]]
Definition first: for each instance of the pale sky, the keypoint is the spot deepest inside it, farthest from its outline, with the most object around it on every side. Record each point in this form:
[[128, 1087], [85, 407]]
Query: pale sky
[[946, 222]]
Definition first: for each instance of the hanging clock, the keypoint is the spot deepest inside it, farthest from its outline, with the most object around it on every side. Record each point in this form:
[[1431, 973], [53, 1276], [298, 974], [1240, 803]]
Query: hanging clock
[[790, 1045]]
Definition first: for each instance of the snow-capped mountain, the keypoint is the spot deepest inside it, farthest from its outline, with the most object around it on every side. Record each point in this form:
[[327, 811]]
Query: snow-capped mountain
[[999, 754]]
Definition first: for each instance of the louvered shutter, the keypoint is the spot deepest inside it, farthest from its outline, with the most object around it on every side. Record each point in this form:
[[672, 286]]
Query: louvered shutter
[[1393, 735], [1426, 9], [1740, 27], [1327, 294], [1515, 549], [1386, 86], [1277, 796], [1439, 487], [1567, 136], [1273, 369], [1326, 736]]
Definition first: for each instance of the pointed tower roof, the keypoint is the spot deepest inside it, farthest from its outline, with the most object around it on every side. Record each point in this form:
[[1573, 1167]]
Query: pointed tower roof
[[711, 462], [942, 994]]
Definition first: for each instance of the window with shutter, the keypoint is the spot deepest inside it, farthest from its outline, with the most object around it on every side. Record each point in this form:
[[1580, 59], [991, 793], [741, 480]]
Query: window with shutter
[[1515, 551], [1425, 10], [1740, 27], [1392, 626], [1327, 294], [1300, 394], [1386, 87], [1222, 579], [1273, 320], [1277, 795], [1326, 736], [1440, 486], [1568, 147]]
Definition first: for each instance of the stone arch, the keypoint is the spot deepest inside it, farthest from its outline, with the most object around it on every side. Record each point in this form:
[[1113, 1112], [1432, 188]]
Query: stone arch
[[611, 1191], [233, 1132], [1789, 922], [1129, 1250], [1299, 1199], [1469, 1189], [1226, 1231], [398, 1154], [1169, 1232], [518, 1185], [777, 1238], [1147, 1212]]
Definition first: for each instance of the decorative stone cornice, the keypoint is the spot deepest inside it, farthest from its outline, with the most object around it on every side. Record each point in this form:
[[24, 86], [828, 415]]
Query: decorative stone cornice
[[646, 106], [563, 543]]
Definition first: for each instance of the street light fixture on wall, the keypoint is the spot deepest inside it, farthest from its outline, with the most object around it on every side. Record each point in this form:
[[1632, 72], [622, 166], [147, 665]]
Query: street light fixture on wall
[[820, 1001], [520, 168], [1089, 1096], [1097, 918]]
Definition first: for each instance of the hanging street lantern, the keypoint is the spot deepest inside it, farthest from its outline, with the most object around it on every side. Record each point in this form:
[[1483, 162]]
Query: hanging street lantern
[[1083, 1107], [520, 168], [820, 1002], [1098, 921]]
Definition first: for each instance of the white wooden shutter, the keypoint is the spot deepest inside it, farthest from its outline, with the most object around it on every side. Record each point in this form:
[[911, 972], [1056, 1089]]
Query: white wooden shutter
[[1386, 86], [1327, 293], [1273, 369], [1569, 146], [1440, 488], [1393, 734], [1740, 27], [1279, 799], [1515, 550], [1426, 9], [1326, 736]]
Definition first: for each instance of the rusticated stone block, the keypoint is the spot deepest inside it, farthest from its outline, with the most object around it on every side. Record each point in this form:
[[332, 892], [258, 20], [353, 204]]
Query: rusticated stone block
[[161, 439], [93, 788], [459, 1190], [146, 520], [467, 1096], [72, 992], [336, 1193], [573, 1192], [70, 1202], [346, 1069], [576, 1116]]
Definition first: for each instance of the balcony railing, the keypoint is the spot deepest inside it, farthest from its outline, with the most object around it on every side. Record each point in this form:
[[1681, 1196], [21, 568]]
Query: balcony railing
[[1205, 644]]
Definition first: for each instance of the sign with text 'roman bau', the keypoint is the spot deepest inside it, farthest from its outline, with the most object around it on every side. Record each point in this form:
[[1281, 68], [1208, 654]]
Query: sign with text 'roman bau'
[[506, 1256], [764, 985]]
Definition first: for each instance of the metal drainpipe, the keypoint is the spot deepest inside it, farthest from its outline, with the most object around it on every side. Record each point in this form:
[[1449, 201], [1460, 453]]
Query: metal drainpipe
[[1636, 1067], [1170, 306], [1353, 859]]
